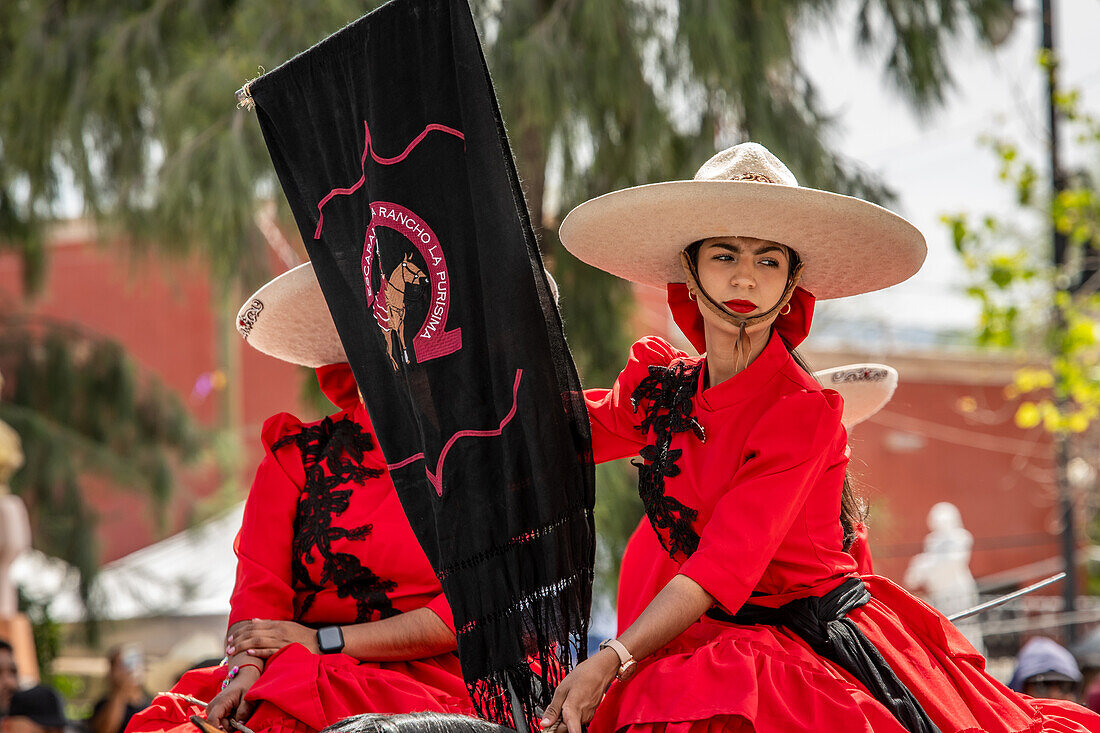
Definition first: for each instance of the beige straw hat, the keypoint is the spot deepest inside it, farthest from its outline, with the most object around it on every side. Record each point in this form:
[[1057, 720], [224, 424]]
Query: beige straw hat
[[289, 319], [865, 389], [848, 245]]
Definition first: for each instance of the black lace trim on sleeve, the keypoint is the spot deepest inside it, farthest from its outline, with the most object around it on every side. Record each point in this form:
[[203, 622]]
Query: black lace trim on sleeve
[[667, 398], [332, 456]]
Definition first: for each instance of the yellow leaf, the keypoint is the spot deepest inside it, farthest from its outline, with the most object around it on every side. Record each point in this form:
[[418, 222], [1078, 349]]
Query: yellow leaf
[[1027, 415], [1077, 422]]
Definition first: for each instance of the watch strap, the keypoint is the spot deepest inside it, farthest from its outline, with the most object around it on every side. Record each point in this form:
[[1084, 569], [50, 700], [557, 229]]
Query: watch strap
[[616, 645], [627, 665]]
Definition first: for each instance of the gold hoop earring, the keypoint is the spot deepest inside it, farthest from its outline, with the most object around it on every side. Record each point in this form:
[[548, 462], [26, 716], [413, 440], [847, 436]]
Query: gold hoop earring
[[785, 310], [691, 295]]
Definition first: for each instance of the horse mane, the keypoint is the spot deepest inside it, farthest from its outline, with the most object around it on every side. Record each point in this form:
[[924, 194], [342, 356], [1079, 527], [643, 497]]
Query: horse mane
[[415, 723]]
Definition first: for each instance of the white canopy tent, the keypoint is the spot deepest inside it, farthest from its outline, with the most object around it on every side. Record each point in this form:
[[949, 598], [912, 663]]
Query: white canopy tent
[[188, 574]]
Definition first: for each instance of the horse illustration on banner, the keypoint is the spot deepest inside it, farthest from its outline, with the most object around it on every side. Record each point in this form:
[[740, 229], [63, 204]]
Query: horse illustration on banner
[[389, 306]]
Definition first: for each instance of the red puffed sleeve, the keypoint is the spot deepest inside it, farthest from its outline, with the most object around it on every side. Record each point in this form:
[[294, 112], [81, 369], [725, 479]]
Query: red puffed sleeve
[[614, 422], [263, 546], [790, 448]]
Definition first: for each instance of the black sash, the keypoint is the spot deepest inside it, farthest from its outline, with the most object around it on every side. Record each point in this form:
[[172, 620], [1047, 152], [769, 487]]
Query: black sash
[[823, 623]]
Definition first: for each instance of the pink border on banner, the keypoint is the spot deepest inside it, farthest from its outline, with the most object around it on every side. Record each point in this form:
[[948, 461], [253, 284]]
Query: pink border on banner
[[436, 478], [368, 149]]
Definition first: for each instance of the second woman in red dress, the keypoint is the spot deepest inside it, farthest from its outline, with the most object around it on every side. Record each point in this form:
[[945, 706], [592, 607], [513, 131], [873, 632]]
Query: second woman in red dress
[[766, 626], [336, 610]]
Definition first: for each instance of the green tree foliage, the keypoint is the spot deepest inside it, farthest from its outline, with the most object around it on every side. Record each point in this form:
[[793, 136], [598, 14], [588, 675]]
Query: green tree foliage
[[1049, 312], [132, 100], [81, 410]]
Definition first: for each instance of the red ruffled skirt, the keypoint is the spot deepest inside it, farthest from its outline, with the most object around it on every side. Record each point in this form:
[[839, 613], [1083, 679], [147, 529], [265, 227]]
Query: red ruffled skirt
[[302, 692], [719, 677]]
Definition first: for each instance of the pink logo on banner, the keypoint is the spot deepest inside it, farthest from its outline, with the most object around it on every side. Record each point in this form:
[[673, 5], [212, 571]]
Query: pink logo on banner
[[432, 339]]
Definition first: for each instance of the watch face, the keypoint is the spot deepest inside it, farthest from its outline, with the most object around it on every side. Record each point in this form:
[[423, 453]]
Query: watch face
[[330, 639]]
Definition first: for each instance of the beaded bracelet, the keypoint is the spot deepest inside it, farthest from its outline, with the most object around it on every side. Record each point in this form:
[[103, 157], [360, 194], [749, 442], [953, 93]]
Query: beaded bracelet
[[236, 670]]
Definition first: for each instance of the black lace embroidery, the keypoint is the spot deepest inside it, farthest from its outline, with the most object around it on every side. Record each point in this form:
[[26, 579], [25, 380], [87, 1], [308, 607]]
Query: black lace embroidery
[[667, 393], [332, 455]]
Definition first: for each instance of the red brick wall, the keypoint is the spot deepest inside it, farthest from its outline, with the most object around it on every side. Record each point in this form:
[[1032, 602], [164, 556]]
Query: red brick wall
[[923, 449], [161, 312]]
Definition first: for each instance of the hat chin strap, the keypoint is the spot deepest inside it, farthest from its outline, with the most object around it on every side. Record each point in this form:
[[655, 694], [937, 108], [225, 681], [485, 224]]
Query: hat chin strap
[[741, 348]]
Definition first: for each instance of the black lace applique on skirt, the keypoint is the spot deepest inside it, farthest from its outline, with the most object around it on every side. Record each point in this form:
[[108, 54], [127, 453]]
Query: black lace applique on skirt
[[332, 455], [666, 395]]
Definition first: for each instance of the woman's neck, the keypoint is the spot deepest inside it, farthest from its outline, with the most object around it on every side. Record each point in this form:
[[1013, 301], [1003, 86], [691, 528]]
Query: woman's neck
[[722, 357]]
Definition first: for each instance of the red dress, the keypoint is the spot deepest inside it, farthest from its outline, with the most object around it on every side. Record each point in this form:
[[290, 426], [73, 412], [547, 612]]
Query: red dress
[[646, 568], [333, 548], [748, 506]]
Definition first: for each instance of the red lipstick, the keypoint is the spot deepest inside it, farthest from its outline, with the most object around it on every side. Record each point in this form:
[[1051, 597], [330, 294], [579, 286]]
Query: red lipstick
[[741, 306]]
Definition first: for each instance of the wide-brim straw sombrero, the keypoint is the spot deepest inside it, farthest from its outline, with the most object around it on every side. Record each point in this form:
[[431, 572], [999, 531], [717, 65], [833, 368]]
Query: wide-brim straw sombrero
[[848, 245], [289, 319], [865, 389]]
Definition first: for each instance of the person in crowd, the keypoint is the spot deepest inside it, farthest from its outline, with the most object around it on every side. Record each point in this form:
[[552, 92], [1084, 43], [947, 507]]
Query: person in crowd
[[125, 695], [37, 709], [1092, 696], [1044, 668], [9, 675], [336, 610], [767, 626], [1087, 655]]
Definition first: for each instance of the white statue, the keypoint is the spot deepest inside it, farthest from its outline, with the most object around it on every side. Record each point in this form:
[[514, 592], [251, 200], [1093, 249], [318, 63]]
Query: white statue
[[15, 528], [941, 573]]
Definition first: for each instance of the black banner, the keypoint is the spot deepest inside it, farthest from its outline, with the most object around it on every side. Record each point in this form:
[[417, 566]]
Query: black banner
[[389, 145]]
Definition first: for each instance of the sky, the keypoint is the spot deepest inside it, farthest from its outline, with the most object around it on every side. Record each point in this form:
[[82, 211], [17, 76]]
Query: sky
[[936, 164]]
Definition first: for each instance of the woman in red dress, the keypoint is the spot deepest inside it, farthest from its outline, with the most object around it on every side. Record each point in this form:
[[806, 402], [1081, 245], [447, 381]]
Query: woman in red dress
[[336, 610], [766, 626], [646, 567]]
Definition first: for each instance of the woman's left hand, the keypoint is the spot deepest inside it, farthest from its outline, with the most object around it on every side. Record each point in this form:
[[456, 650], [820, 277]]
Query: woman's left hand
[[261, 638], [579, 694]]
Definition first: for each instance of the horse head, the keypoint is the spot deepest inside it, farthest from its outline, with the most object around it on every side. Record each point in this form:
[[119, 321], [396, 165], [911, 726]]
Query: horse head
[[410, 273]]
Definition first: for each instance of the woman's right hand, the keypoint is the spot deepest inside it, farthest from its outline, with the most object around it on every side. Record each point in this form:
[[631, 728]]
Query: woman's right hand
[[230, 702]]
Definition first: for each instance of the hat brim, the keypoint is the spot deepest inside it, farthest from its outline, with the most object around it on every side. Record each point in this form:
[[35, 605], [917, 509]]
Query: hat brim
[[289, 319], [849, 246], [865, 389], [1051, 676]]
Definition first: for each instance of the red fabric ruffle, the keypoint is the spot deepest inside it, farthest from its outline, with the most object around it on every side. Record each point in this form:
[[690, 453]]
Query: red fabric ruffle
[[793, 327], [773, 681], [338, 384], [302, 692]]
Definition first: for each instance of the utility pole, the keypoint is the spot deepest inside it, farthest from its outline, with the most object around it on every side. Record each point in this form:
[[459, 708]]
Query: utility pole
[[1061, 440]]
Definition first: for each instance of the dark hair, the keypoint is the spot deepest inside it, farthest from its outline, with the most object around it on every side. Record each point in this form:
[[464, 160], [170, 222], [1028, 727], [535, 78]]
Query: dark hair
[[852, 511], [415, 723]]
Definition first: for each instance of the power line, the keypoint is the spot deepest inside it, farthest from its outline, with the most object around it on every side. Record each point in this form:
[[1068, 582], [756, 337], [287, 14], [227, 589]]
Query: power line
[[956, 436]]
